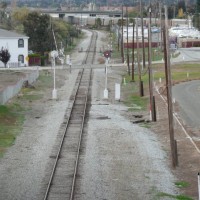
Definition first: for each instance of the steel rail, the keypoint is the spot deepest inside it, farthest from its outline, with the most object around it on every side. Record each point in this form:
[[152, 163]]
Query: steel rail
[[79, 143], [93, 39], [61, 142]]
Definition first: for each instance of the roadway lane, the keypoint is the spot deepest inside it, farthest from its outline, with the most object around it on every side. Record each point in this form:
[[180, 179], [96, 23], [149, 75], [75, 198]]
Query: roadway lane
[[187, 94]]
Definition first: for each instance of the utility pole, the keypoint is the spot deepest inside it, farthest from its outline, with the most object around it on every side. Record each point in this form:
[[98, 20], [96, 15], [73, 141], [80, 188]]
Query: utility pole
[[122, 38], [138, 63], [133, 49], [142, 28], [152, 98], [169, 92], [127, 51], [160, 11]]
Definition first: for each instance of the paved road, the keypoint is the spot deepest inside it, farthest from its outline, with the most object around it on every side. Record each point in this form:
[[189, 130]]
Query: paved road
[[187, 55], [188, 96]]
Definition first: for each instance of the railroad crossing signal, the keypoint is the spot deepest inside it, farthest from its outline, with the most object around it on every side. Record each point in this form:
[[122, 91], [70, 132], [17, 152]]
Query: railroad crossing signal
[[107, 54]]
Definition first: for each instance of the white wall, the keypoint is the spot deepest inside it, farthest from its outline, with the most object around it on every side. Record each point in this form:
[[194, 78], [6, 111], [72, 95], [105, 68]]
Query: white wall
[[12, 45]]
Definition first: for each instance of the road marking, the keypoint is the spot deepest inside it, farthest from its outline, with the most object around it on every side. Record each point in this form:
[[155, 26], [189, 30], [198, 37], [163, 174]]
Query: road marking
[[186, 134]]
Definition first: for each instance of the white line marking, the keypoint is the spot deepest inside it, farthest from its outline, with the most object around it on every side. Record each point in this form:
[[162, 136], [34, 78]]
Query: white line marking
[[174, 114]]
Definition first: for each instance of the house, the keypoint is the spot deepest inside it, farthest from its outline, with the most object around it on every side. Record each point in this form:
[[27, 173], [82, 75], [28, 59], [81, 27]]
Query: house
[[17, 45]]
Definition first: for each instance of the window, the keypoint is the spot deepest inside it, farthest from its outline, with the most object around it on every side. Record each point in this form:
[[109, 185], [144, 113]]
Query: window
[[21, 58], [20, 43], [92, 15]]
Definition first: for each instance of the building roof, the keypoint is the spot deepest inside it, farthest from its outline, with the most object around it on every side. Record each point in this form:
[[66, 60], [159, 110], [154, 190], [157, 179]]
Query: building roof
[[9, 34]]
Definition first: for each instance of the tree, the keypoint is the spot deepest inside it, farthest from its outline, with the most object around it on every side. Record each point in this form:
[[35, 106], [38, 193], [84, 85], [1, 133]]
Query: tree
[[196, 21], [4, 56], [18, 17], [98, 22], [198, 6], [38, 28]]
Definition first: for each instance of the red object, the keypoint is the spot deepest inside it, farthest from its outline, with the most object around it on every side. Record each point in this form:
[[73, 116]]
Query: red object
[[107, 54]]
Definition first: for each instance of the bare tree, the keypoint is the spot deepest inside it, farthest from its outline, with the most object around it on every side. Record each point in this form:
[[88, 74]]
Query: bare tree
[[4, 56]]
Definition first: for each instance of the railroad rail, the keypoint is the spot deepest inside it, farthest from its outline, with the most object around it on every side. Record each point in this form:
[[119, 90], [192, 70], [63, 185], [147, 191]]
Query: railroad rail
[[62, 181], [91, 51]]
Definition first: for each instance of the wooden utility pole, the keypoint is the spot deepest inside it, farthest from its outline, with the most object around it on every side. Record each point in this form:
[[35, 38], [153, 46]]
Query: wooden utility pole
[[160, 38], [122, 38], [152, 99], [142, 28], [169, 91], [138, 63], [133, 49], [127, 51]]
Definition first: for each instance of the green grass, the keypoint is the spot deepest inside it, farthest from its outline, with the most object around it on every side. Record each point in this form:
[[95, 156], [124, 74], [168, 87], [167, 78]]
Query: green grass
[[182, 184], [145, 125], [178, 73], [132, 99], [11, 120], [178, 197], [135, 102]]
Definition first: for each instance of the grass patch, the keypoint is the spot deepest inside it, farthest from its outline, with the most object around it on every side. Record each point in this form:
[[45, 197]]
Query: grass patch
[[135, 102], [32, 97], [182, 184], [178, 197], [179, 72], [145, 125], [45, 80], [131, 95], [11, 120]]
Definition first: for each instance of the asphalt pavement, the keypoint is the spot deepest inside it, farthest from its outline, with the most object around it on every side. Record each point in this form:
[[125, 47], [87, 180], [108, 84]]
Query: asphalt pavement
[[187, 94]]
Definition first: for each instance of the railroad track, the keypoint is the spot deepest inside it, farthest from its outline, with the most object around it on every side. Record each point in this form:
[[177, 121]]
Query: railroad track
[[91, 51], [62, 181]]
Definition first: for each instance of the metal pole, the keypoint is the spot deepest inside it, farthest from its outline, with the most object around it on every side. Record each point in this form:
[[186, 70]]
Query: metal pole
[[54, 92], [106, 81], [54, 75]]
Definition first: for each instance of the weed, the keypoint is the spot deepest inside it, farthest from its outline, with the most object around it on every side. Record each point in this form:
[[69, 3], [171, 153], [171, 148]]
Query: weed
[[135, 102], [182, 184], [178, 197]]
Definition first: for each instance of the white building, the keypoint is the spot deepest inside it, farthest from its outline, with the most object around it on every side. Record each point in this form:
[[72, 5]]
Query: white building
[[17, 46]]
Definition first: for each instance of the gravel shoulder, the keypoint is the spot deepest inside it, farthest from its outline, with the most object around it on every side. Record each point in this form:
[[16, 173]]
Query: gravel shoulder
[[122, 160]]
